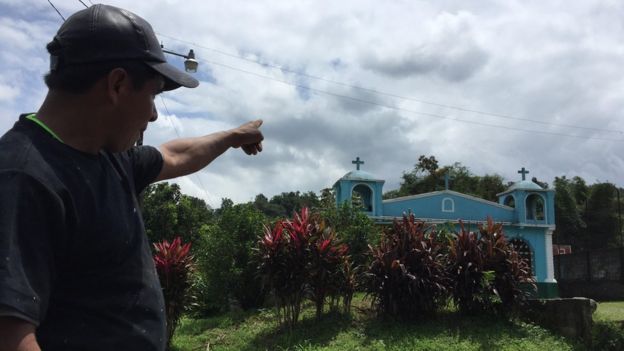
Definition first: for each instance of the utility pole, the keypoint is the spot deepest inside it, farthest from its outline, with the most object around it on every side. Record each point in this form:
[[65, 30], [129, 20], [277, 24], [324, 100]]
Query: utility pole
[[621, 237], [619, 216]]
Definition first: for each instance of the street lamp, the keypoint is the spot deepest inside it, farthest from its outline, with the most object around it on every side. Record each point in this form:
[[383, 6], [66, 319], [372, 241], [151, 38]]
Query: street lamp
[[190, 64]]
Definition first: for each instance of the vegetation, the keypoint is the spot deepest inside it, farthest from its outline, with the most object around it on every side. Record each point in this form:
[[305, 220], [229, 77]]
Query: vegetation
[[414, 272], [408, 277], [174, 266], [168, 213], [317, 258], [362, 330], [610, 311], [301, 258], [587, 216], [486, 272], [428, 176], [225, 257], [352, 228], [608, 330], [285, 204], [607, 336]]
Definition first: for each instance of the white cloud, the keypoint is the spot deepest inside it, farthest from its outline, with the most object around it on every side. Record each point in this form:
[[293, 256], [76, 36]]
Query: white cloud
[[556, 62]]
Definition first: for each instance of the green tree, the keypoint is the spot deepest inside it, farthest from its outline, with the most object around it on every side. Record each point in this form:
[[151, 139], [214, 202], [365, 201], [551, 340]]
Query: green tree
[[272, 210], [570, 228], [580, 191], [427, 164], [489, 186], [600, 216], [167, 213], [353, 228], [294, 201], [226, 258], [328, 198], [428, 176]]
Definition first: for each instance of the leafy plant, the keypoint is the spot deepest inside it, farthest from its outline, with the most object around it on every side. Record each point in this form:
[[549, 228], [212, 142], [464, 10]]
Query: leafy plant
[[407, 276], [174, 265], [486, 272], [226, 260], [352, 228], [301, 258], [607, 336]]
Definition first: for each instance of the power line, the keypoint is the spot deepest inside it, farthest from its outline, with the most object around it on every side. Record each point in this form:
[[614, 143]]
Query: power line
[[57, 11], [404, 109], [85, 5], [178, 134], [396, 96], [383, 93]]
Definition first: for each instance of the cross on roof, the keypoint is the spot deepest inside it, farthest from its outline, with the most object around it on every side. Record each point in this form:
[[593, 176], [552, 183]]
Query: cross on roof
[[447, 177], [524, 172], [357, 162]]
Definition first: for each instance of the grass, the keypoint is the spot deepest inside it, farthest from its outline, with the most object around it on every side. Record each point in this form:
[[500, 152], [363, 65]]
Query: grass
[[258, 330], [610, 311]]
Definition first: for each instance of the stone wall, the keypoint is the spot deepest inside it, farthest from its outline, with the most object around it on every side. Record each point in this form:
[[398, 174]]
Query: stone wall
[[571, 318], [595, 274], [598, 290]]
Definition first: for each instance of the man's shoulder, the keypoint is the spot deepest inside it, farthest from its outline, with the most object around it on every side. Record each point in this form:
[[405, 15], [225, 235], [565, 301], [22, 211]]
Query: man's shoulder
[[17, 150], [19, 153]]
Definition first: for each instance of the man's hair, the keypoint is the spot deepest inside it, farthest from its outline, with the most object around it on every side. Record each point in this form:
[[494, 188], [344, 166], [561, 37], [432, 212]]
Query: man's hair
[[78, 79]]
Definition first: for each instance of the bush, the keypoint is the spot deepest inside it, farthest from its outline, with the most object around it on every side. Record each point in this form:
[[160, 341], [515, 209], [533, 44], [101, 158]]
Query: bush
[[407, 276], [174, 266], [353, 228], [226, 262], [167, 213], [486, 272], [300, 258], [607, 336]]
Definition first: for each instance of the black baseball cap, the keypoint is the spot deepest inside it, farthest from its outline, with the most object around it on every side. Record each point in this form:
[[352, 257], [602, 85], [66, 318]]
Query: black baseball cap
[[104, 33]]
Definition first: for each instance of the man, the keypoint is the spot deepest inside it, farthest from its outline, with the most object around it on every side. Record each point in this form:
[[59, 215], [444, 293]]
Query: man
[[76, 271]]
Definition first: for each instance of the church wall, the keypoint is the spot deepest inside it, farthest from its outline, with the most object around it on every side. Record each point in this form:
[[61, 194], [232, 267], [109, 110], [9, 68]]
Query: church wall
[[464, 208], [536, 238]]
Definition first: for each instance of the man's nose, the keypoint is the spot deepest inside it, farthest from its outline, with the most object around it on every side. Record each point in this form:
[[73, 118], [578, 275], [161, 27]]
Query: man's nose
[[154, 114]]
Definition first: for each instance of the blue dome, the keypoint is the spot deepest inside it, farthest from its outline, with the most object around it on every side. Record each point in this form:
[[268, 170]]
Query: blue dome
[[359, 175], [524, 185]]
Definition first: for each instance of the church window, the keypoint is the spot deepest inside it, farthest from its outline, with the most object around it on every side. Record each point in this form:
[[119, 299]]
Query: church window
[[362, 197], [510, 201], [448, 205], [523, 250], [535, 207]]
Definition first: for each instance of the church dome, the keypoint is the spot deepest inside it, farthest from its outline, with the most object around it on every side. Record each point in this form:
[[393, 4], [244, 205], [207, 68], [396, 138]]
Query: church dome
[[524, 185], [359, 175]]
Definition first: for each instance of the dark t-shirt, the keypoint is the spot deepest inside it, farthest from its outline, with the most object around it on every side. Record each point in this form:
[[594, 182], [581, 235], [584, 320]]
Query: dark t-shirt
[[74, 256]]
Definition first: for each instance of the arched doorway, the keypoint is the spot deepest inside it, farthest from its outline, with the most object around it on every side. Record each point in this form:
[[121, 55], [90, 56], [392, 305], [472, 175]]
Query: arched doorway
[[535, 207], [510, 201], [362, 197]]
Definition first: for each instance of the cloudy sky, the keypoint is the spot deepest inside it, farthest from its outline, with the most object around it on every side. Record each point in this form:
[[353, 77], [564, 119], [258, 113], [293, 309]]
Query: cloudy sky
[[495, 85]]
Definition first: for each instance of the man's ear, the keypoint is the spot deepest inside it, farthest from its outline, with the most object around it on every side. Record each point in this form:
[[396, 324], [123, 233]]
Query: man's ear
[[118, 82]]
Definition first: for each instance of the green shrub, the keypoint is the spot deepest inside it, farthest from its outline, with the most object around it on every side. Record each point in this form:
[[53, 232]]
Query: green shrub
[[407, 276], [226, 262], [607, 336], [354, 228], [174, 266]]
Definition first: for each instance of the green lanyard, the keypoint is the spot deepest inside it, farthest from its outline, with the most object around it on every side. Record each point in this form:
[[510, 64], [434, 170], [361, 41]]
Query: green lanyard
[[42, 125]]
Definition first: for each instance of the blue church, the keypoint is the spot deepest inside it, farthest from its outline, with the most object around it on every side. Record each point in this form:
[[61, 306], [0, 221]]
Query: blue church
[[526, 210]]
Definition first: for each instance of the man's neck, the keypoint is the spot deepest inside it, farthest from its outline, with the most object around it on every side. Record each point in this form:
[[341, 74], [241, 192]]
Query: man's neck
[[75, 119]]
